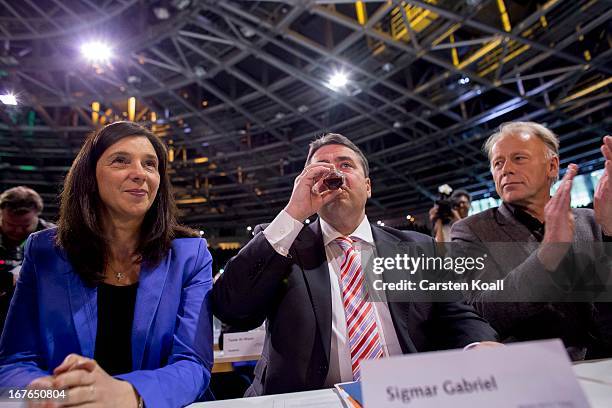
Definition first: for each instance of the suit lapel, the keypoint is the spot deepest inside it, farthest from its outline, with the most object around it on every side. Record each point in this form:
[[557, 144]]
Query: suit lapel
[[310, 252], [512, 227], [388, 246], [150, 289], [515, 230], [84, 306]]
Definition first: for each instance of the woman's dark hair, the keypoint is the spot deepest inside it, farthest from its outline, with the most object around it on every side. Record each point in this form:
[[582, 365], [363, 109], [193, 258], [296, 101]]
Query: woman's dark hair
[[80, 231]]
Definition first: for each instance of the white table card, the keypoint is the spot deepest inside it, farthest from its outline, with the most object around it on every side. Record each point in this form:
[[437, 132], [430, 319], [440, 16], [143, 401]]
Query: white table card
[[522, 375], [243, 343]]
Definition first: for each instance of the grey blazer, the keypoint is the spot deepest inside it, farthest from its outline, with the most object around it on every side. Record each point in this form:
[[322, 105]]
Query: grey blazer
[[580, 325]]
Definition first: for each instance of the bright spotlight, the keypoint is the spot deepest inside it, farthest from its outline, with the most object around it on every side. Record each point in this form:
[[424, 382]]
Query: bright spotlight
[[338, 80], [8, 99], [96, 51]]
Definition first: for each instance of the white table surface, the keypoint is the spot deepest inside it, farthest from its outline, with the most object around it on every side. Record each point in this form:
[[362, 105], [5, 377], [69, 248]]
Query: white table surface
[[220, 357], [594, 377]]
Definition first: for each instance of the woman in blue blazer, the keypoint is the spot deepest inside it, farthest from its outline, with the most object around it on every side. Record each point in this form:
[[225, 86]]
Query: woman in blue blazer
[[113, 306]]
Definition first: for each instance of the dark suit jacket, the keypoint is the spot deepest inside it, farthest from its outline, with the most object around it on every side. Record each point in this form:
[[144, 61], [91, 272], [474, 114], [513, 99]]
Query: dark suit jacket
[[12, 255], [294, 295], [578, 324]]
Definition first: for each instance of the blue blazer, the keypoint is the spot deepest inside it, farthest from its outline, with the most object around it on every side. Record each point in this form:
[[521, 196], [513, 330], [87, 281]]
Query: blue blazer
[[53, 313]]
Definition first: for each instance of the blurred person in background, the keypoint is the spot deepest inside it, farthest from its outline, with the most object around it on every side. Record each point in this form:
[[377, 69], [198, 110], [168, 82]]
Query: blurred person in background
[[112, 306], [447, 210], [20, 208]]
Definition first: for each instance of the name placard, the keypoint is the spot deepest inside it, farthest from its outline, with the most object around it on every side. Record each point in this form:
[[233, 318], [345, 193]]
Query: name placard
[[244, 343], [522, 375]]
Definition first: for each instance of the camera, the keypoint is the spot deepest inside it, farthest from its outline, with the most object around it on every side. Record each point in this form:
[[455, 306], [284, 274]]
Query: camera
[[445, 204]]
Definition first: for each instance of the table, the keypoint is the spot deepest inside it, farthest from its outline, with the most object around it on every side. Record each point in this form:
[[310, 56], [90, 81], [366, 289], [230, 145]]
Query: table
[[223, 363], [596, 381], [595, 377]]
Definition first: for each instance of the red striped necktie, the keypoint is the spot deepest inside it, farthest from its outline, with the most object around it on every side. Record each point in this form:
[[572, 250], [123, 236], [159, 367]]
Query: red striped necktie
[[363, 333]]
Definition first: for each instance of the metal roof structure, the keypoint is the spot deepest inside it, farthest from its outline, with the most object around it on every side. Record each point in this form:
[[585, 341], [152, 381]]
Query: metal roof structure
[[237, 89]]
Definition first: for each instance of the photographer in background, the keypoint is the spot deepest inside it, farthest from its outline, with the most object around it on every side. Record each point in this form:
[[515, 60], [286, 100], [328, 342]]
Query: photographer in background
[[448, 209], [19, 211]]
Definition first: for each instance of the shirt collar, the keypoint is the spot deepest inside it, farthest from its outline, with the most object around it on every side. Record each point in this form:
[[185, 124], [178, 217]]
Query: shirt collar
[[363, 232], [523, 216]]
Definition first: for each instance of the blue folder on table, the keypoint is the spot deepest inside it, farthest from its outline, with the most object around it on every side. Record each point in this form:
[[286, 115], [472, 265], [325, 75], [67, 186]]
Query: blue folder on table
[[351, 393]]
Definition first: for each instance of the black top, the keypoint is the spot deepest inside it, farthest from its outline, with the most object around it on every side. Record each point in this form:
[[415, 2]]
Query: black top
[[535, 226], [114, 337]]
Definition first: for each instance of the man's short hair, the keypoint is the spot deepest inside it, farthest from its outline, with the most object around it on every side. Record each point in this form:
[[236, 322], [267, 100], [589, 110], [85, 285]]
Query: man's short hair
[[459, 192], [547, 136], [337, 139], [21, 200], [535, 129]]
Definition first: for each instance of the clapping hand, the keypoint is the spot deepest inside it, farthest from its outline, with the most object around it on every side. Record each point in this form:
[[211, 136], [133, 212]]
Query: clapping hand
[[559, 221], [602, 201]]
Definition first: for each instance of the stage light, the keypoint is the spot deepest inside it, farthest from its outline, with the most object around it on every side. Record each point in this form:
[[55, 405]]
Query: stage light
[[338, 80], [247, 31], [161, 13], [199, 71], [96, 51], [8, 99]]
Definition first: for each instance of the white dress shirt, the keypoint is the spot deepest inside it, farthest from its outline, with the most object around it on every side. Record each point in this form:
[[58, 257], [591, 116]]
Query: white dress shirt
[[281, 233]]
